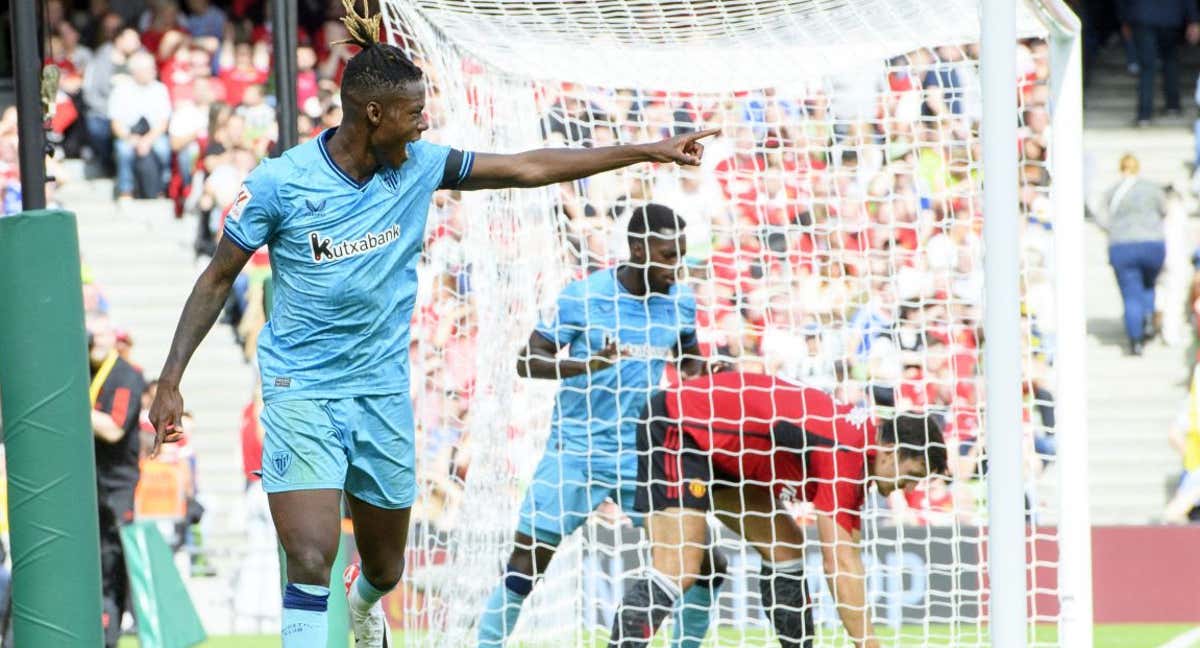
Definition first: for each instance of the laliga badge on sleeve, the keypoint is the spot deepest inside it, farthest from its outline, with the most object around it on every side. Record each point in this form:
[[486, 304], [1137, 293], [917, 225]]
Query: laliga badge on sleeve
[[239, 203]]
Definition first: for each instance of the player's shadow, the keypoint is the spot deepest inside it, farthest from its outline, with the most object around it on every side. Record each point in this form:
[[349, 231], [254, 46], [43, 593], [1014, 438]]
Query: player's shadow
[[1108, 331]]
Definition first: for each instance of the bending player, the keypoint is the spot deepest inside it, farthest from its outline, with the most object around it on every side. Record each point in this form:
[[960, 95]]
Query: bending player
[[739, 443], [344, 216], [620, 327]]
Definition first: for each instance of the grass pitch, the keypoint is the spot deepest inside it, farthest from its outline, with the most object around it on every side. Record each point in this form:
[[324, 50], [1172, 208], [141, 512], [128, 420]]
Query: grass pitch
[[1107, 636]]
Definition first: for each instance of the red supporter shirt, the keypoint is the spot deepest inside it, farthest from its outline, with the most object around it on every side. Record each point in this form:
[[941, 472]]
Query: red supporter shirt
[[252, 446], [306, 87], [236, 80], [796, 439]]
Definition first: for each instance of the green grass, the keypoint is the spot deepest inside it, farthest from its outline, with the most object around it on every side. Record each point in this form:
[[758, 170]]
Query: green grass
[[1107, 636]]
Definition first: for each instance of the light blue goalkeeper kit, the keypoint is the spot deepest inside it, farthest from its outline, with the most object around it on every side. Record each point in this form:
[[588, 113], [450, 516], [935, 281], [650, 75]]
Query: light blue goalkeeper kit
[[334, 352], [591, 453]]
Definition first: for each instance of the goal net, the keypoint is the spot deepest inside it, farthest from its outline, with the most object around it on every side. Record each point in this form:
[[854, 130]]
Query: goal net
[[833, 238]]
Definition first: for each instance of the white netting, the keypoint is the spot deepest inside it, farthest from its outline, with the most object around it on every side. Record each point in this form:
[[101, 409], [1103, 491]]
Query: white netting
[[834, 238], [697, 46]]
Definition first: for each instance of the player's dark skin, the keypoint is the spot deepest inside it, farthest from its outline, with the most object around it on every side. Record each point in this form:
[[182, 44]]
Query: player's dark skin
[[653, 267], [374, 133]]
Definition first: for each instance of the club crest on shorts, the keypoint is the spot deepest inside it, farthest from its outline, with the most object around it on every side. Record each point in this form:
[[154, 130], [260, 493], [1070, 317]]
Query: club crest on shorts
[[282, 461], [697, 488]]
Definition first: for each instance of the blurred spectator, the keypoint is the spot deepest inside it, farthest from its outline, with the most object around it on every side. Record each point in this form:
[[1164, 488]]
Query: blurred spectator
[[10, 170], [124, 347], [187, 65], [256, 584], [810, 360], [225, 175], [109, 66], [443, 462], [1154, 27], [1171, 296], [188, 128], [1039, 411], [1184, 437], [116, 392], [258, 117], [241, 66], [67, 131], [145, 427], [307, 82], [1136, 249], [100, 25], [94, 302], [833, 230], [187, 532], [204, 20], [161, 29], [943, 86], [141, 111], [935, 501]]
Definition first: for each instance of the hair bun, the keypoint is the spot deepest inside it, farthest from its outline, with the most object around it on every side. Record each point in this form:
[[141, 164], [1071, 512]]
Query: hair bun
[[363, 28]]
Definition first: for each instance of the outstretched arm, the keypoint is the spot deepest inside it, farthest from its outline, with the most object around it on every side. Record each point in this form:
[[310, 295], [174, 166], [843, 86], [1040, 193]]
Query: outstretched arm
[[548, 166], [201, 310], [847, 579]]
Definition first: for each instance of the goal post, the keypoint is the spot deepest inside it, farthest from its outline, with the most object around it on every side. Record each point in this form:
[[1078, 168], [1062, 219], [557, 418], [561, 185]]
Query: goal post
[[840, 233], [1074, 520], [1002, 353]]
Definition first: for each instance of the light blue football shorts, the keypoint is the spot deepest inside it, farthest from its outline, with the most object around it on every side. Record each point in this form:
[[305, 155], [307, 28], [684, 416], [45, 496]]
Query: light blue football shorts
[[568, 485], [363, 445]]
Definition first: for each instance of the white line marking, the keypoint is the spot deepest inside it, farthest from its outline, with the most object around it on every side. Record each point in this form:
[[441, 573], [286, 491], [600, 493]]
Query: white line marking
[[1185, 640]]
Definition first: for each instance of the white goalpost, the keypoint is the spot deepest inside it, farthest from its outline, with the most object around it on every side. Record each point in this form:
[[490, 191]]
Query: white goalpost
[[893, 208]]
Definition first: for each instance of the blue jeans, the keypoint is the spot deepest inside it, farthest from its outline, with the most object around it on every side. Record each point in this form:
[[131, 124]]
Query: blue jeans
[[1156, 45], [100, 139], [1137, 266], [1196, 142], [186, 157], [128, 160]]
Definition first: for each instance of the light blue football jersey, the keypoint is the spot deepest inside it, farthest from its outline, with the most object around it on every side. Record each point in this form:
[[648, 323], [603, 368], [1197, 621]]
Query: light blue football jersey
[[344, 267], [598, 413]]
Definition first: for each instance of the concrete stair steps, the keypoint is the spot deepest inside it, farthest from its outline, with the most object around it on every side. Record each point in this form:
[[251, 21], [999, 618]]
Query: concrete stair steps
[[1131, 400], [142, 258]]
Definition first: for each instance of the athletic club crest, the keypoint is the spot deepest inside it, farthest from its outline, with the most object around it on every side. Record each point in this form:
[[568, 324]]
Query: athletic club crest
[[391, 180], [282, 461]]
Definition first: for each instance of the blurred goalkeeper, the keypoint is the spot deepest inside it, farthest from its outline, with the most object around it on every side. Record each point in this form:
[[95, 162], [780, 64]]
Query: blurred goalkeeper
[[742, 444], [344, 217], [620, 327]]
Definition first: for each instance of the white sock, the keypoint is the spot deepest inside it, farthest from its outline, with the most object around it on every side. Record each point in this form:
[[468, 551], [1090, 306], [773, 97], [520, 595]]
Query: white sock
[[363, 595]]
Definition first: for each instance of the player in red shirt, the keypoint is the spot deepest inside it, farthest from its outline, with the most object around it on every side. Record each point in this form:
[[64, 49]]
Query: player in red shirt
[[739, 444]]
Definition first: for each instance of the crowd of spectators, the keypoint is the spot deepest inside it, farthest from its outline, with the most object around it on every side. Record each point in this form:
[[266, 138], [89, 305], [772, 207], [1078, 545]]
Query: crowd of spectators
[[834, 233], [834, 237], [131, 485], [173, 101]]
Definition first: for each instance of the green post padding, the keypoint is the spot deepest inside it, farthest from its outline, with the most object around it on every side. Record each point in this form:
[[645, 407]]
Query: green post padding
[[53, 520], [165, 615], [339, 609]]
